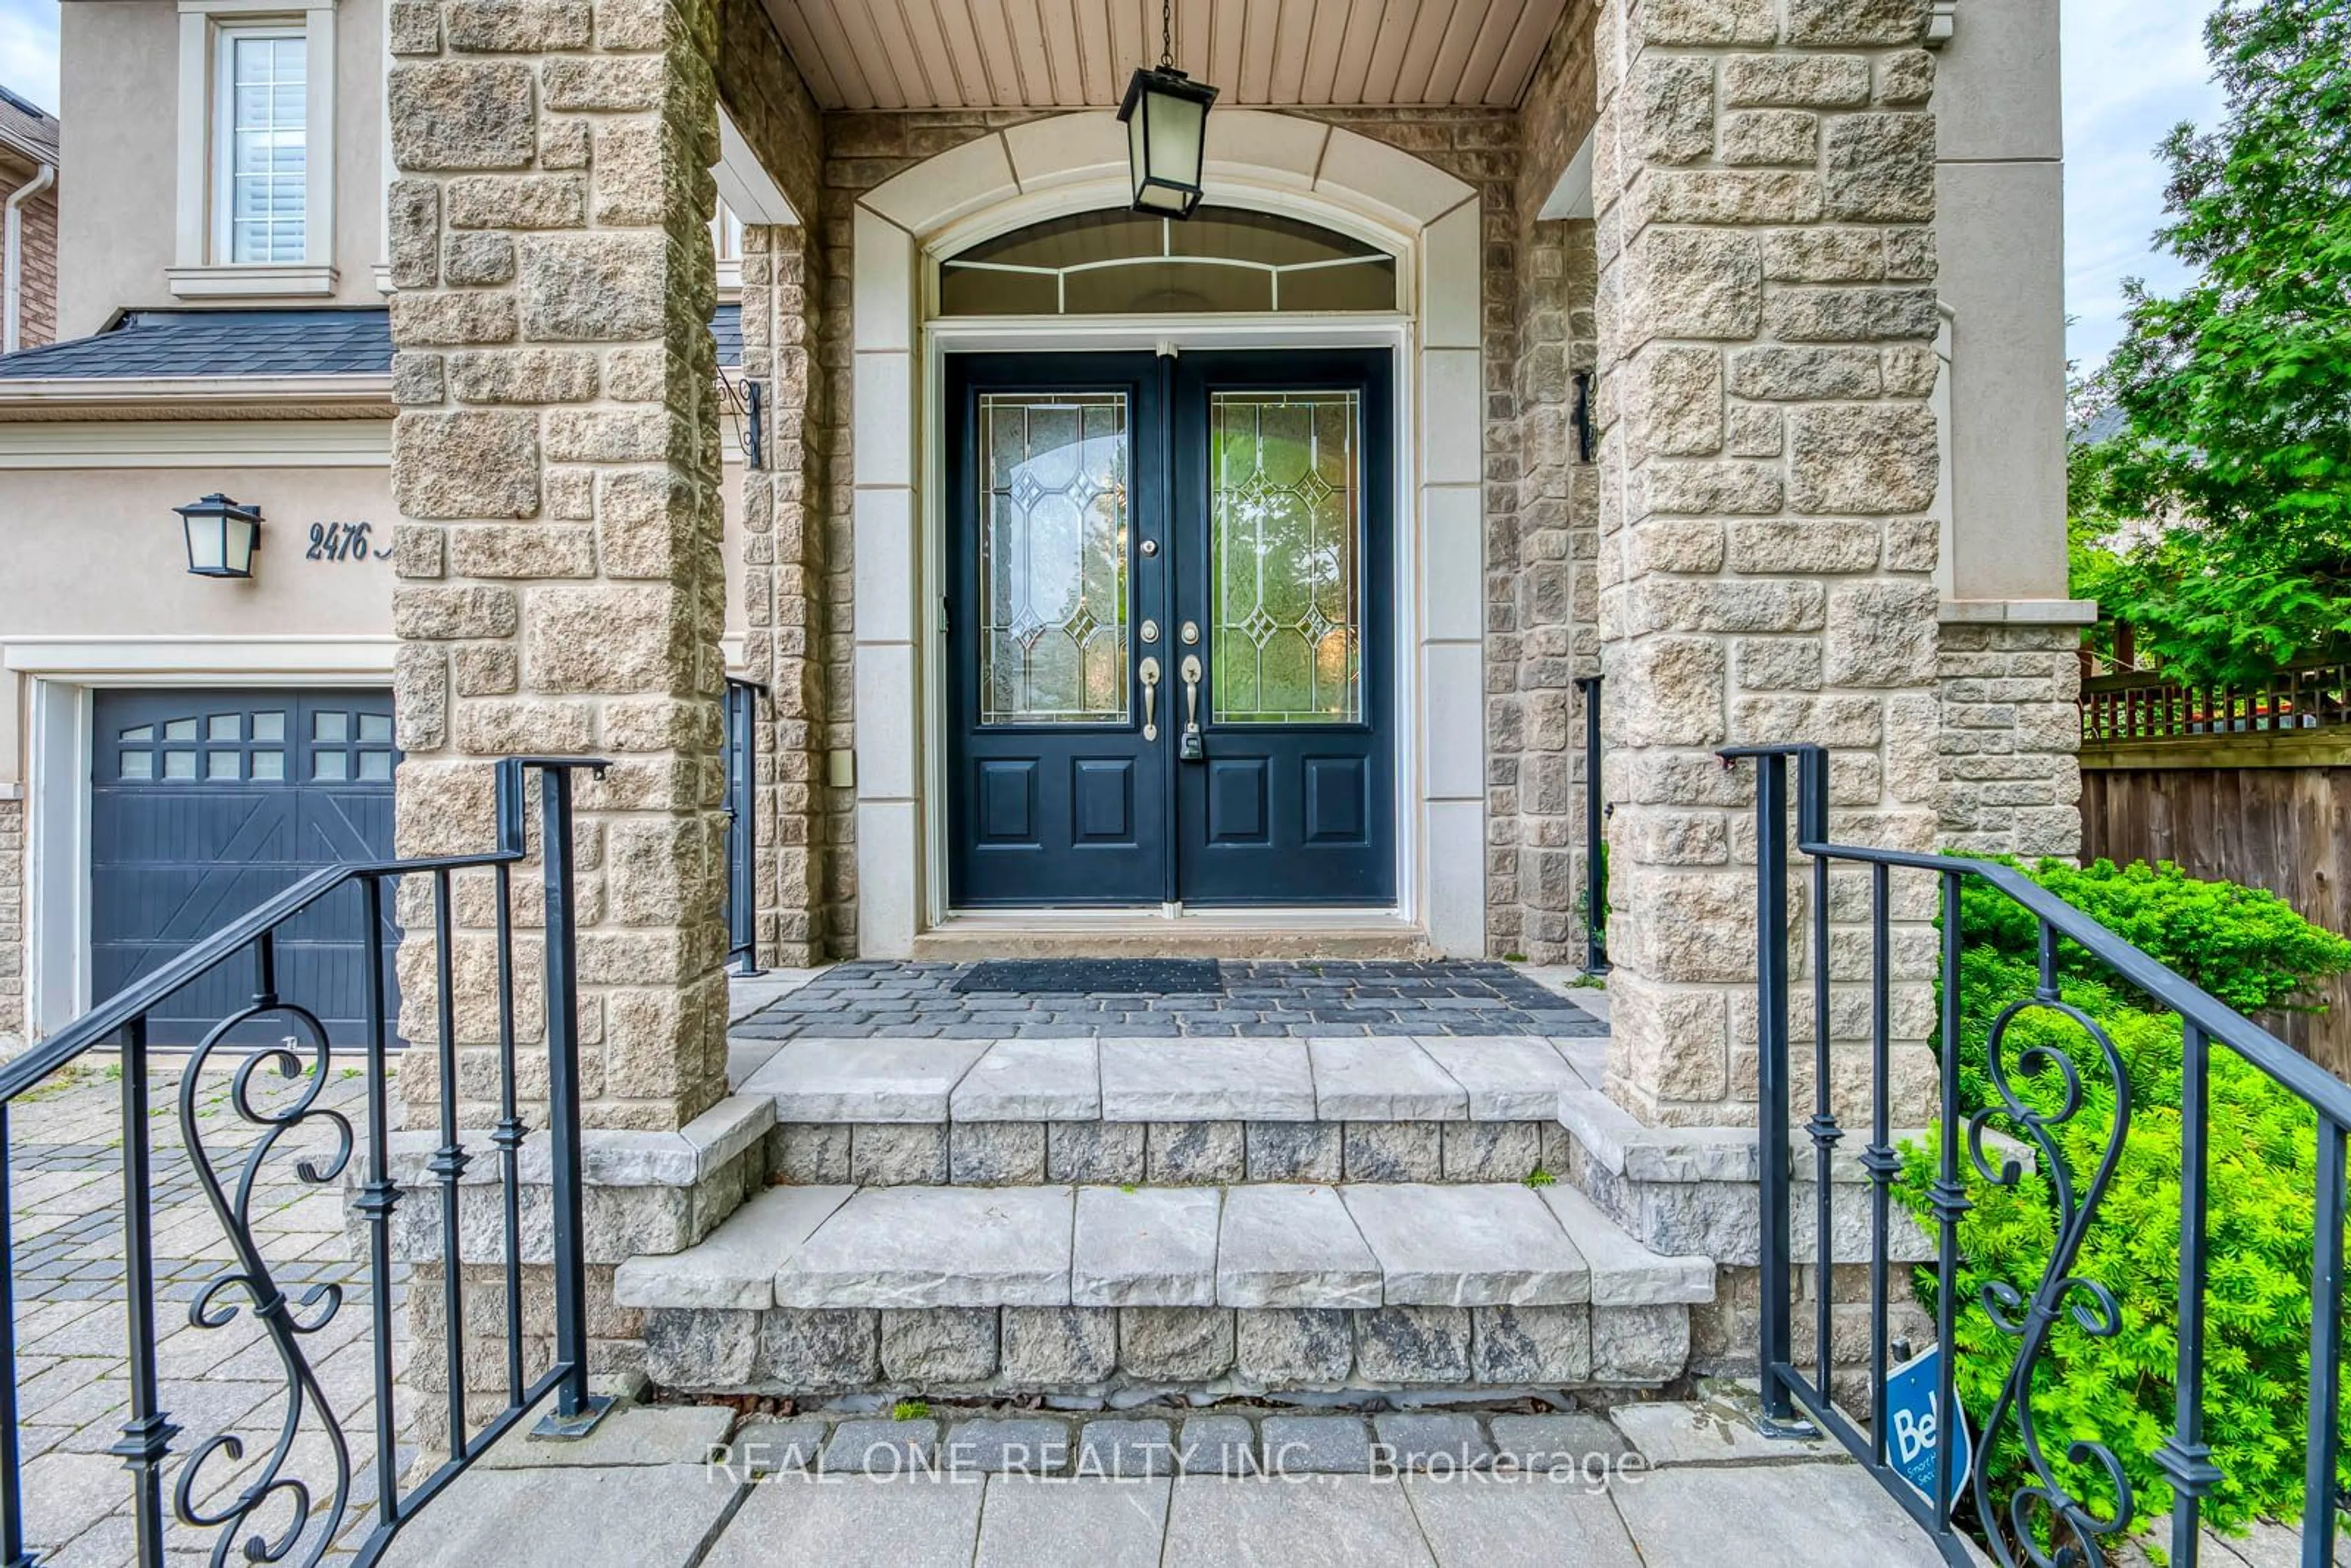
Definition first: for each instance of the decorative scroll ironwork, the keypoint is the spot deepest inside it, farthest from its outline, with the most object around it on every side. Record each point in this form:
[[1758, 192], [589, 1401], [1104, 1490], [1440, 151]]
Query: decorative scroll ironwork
[[210, 1492], [251, 1275], [2040, 1092]]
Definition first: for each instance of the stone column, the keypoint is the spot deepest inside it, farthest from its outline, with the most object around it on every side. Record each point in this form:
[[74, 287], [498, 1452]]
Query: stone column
[[555, 463], [790, 613], [1765, 184]]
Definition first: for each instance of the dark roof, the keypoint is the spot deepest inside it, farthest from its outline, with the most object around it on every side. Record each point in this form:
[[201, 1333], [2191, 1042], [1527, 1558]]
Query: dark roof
[[28, 125], [2102, 426], [177, 344]]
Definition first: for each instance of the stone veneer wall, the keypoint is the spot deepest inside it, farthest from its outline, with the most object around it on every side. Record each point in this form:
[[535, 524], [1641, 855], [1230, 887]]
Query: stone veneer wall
[[555, 465], [12, 926], [1765, 184], [2011, 726]]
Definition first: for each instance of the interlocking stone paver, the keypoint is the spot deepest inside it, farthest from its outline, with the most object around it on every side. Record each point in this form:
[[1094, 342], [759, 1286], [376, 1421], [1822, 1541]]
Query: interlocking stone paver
[[1031, 1081], [1506, 1078], [1436, 1443], [817, 1079], [1293, 1247], [775, 1448], [1124, 1451], [1545, 1525], [881, 1447], [1789, 1516], [735, 1265], [1462, 1246], [1573, 1439], [1023, 1445], [1150, 1247], [1382, 1080], [1340, 1522], [1315, 1445], [1217, 1446], [935, 1247], [867, 998], [1030, 1523], [848, 1519], [1205, 1080]]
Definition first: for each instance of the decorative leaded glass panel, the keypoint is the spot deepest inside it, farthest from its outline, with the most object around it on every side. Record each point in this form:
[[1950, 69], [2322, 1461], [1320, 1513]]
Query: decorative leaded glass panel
[[1285, 516], [1053, 559], [1117, 262]]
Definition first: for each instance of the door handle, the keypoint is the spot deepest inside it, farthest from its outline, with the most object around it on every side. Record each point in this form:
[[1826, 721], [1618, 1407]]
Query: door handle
[[1150, 673], [1192, 750]]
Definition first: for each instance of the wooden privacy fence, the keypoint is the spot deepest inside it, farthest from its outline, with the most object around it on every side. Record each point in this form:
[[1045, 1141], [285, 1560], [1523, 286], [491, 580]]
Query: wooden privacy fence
[[2246, 786]]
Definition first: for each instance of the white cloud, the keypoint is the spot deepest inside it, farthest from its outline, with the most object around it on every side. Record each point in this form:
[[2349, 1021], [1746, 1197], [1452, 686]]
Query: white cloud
[[28, 51], [2133, 68]]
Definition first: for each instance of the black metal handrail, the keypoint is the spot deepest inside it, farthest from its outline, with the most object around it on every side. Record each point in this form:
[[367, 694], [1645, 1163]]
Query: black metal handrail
[[1595, 835], [2184, 1457], [305, 1051], [743, 822]]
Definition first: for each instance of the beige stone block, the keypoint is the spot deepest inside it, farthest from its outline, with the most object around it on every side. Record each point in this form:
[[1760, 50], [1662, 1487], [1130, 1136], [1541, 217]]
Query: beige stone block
[[1672, 109], [1822, 254], [1906, 76], [413, 232], [1911, 370], [1862, 458], [1677, 406], [1818, 23], [467, 463], [1881, 635], [1761, 136], [450, 114], [604, 83], [614, 435], [1777, 663], [1755, 432], [428, 614], [516, 27], [516, 202], [531, 376], [1834, 721], [1758, 604], [1674, 1042], [1912, 544], [611, 639], [1826, 544], [1691, 545], [1880, 167], [1685, 283], [1792, 81], [1694, 488], [651, 524], [417, 380], [1851, 315], [444, 807], [414, 26], [525, 726], [485, 669], [420, 696], [595, 287], [1727, 196], [1794, 374], [1666, 691], [416, 552], [522, 550], [1709, 21], [427, 321]]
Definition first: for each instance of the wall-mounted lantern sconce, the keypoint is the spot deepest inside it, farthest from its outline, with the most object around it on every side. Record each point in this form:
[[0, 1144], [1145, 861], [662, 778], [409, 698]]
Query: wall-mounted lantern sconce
[[222, 536], [1166, 117], [1582, 416]]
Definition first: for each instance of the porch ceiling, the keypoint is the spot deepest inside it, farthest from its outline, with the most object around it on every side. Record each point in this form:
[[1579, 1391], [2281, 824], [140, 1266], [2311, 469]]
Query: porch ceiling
[[1047, 54]]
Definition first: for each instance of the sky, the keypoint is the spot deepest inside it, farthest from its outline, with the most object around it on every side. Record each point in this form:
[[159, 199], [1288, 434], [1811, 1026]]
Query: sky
[[2133, 69]]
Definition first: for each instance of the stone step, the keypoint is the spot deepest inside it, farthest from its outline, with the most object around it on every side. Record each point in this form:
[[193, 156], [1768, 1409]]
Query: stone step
[[1035, 937], [1351, 1246], [1106, 1292], [1024, 1112]]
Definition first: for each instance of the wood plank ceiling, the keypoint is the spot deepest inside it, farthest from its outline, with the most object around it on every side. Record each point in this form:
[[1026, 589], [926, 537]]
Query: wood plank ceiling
[[1046, 54]]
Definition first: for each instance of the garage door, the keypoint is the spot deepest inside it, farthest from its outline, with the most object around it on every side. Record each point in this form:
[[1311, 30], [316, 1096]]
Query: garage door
[[204, 804]]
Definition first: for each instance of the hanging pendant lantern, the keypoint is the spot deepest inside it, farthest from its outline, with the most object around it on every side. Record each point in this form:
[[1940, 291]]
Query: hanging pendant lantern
[[1167, 119]]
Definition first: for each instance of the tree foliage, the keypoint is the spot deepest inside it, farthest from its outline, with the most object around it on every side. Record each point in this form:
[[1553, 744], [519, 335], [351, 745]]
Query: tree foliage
[[2238, 392]]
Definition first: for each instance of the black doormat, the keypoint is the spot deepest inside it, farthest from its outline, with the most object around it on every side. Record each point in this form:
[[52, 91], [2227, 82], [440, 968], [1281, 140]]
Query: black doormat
[[1124, 977]]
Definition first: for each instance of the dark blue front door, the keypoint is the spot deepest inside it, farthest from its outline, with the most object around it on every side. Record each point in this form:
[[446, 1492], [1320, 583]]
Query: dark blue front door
[[1170, 629], [205, 803]]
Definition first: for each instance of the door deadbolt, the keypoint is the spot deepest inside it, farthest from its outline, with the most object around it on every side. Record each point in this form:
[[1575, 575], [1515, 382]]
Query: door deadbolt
[[1150, 632], [1151, 546], [1190, 634]]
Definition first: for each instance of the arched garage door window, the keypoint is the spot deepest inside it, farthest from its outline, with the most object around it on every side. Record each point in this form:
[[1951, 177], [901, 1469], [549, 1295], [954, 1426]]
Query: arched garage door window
[[1121, 262]]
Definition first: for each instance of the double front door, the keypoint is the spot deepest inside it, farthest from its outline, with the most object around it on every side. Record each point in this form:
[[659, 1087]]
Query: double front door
[[1170, 629]]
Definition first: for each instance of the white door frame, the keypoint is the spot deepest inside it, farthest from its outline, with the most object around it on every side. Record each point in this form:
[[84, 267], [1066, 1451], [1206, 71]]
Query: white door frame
[[1077, 163]]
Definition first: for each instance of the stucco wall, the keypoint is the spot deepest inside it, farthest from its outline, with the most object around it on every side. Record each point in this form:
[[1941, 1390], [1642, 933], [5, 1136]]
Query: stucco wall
[[118, 89]]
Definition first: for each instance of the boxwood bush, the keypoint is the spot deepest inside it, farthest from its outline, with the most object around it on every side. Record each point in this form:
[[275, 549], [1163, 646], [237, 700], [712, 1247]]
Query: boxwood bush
[[2252, 951]]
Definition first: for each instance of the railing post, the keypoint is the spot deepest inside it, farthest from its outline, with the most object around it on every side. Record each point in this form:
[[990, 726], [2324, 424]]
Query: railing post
[[742, 825], [576, 1410], [2185, 1457], [1775, 1350], [1596, 841], [12, 1450], [147, 1434]]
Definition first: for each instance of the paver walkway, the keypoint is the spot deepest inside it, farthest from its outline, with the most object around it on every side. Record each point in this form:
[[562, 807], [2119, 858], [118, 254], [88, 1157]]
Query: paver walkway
[[1674, 1487], [909, 1000]]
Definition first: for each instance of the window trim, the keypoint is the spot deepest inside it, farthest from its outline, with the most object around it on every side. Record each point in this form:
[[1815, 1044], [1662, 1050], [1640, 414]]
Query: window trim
[[226, 37], [202, 266]]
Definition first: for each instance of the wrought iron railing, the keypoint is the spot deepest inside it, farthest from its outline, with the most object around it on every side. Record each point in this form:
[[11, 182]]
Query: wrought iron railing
[[1595, 835], [2138, 705], [322, 1505], [2042, 1520]]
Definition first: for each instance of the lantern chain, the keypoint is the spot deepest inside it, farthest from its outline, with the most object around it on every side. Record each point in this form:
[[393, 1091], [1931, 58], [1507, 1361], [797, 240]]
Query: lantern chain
[[1166, 33]]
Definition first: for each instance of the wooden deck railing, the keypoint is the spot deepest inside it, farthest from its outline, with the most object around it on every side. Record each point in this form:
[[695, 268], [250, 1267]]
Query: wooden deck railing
[[2132, 704]]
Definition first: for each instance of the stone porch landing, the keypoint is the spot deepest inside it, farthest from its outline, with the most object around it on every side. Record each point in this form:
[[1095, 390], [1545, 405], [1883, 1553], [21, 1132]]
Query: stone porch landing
[[1667, 1486]]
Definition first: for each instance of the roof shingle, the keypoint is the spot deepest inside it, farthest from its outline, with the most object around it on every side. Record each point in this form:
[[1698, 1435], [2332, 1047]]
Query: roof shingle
[[184, 344]]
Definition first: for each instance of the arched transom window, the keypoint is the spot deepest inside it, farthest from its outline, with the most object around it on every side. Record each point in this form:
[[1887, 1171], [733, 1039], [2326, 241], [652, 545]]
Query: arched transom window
[[1120, 263]]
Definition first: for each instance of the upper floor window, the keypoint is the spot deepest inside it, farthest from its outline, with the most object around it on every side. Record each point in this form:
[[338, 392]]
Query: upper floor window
[[1118, 262], [261, 131], [257, 150]]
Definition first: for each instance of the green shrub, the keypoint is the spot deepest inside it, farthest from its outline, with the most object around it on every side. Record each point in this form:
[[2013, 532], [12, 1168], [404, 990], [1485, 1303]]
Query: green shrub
[[2252, 950]]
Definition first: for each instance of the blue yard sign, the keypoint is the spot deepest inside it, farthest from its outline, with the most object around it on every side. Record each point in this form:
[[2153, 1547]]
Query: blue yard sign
[[1914, 1427]]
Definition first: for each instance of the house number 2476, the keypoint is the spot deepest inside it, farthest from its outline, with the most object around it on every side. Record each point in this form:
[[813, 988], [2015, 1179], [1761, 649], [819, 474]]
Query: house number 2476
[[341, 541]]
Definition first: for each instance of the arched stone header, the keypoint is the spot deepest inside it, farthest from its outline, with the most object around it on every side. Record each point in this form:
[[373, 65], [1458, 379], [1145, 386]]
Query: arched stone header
[[1274, 162]]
